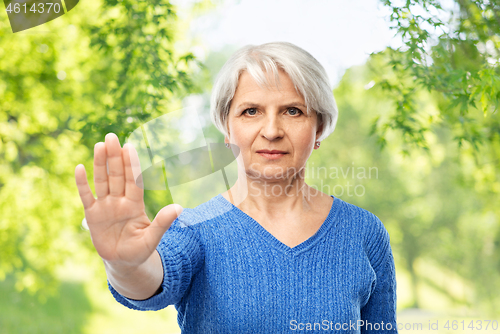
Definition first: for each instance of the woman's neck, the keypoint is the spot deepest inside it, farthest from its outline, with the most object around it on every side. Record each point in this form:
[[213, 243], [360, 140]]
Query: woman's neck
[[272, 196]]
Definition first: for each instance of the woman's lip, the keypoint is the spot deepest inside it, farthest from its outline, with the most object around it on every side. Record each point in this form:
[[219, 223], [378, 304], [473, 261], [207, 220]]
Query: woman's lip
[[271, 156], [272, 151]]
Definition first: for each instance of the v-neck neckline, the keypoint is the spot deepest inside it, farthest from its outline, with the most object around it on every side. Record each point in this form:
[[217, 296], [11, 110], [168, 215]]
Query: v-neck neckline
[[272, 240]]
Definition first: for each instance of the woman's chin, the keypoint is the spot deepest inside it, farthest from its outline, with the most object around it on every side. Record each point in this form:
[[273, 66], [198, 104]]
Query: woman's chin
[[271, 175]]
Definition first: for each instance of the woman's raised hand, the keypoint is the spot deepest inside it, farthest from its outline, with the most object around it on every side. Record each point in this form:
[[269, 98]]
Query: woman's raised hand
[[119, 228]]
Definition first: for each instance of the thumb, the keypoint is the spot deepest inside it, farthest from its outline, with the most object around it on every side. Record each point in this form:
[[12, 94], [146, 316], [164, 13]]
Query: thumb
[[164, 218], [155, 231]]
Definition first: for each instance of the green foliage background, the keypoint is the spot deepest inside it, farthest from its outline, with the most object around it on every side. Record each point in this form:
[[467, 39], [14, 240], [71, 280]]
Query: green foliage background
[[424, 116]]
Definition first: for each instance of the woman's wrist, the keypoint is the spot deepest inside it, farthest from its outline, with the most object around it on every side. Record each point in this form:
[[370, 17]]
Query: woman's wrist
[[136, 282]]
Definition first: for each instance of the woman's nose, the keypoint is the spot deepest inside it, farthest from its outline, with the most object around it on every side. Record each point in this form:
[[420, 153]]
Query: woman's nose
[[272, 128]]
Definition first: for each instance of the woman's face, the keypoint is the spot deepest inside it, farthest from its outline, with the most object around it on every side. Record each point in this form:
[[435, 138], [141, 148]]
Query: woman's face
[[266, 119]]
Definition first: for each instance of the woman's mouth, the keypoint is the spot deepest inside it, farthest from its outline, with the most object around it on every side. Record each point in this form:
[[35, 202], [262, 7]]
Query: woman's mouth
[[271, 154]]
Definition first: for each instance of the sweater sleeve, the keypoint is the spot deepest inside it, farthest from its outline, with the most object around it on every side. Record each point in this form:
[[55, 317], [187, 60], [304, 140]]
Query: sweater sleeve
[[182, 255], [379, 313]]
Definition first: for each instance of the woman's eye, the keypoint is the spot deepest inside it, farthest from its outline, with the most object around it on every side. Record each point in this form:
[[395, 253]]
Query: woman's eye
[[250, 111], [294, 111]]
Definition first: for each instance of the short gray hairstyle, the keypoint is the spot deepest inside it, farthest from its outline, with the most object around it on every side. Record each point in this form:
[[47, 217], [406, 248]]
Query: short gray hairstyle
[[307, 74]]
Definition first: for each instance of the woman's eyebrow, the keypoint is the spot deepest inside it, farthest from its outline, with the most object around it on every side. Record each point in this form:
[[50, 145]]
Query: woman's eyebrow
[[295, 104], [256, 105]]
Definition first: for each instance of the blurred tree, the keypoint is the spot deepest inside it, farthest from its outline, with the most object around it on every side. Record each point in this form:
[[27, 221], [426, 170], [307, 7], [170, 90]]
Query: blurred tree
[[137, 50], [62, 91], [452, 52], [431, 212], [37, 152]]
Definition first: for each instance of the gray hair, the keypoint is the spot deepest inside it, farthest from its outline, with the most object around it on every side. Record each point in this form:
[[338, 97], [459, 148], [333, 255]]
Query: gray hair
[[307, 74]]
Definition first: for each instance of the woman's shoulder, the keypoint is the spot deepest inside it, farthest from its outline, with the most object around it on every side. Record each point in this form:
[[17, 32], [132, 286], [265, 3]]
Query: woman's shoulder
[[375, 238], [210, 210], [370, 226], [357, 211]]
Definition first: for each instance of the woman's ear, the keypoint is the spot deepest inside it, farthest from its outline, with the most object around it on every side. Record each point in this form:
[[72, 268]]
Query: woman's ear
[[319, 131], [227, 126]]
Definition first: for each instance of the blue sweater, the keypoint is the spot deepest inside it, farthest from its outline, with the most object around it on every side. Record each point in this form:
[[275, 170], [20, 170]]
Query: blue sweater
[[226, 274]]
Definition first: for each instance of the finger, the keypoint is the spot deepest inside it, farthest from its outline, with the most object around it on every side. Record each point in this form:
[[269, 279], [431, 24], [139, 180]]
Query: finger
[[83, 187], [100, 171], [133, 190], [116, 173], [161, 223], [136, 166]]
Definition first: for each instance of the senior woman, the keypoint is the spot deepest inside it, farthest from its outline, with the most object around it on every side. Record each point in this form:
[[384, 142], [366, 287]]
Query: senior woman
[[270, 255]]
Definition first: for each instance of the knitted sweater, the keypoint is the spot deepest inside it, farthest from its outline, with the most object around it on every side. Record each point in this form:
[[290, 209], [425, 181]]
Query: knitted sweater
[[225, 273]]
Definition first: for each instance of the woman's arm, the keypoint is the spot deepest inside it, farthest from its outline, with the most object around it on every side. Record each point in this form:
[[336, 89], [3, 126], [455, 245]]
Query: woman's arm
[[137, 283], [181, 255], [379, 313], [120, 230]]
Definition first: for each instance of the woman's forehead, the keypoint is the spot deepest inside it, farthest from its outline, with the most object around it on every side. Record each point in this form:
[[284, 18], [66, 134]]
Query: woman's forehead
[[248, 85]]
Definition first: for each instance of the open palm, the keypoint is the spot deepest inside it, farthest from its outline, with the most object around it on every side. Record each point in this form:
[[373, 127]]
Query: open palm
[[120, 230]]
